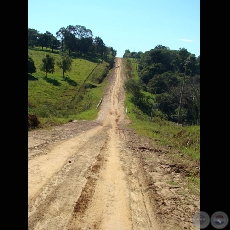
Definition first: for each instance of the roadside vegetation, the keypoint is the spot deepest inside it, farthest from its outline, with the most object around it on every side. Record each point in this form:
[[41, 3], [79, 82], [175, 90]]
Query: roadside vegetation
[[183, 140], [148, 119], [57, 99], [66, 75]]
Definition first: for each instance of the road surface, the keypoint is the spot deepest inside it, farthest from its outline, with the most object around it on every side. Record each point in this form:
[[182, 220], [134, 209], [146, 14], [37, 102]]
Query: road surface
[[86, 175]]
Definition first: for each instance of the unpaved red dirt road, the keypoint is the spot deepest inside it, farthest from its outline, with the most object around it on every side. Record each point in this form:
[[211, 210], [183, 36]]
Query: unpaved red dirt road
[[99, 175]]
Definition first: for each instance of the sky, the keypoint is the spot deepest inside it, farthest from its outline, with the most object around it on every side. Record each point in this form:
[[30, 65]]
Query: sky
[[138, 25]]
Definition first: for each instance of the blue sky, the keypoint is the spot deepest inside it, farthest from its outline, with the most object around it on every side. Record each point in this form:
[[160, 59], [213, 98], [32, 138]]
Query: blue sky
[[138, 25]]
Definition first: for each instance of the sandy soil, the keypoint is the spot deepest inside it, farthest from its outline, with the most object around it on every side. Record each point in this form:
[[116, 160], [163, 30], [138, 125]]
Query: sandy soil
[[101, 175]]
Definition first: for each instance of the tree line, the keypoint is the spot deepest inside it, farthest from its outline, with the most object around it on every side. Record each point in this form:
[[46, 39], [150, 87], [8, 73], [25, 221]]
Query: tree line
[[77, 41], [173, 77]]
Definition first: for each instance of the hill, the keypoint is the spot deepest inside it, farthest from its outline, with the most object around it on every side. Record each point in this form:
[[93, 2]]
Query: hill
[[56, 99]]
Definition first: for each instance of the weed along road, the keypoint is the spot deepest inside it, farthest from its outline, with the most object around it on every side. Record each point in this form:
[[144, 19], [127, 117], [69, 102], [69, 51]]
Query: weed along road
[[90, 175]]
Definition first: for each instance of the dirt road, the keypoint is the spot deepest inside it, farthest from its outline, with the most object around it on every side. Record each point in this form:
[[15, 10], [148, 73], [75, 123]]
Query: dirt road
[[91, 175]]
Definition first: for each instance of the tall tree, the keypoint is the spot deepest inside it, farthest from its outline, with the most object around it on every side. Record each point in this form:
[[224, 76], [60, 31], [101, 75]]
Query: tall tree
[[45, 39], [81, 32], [32, 37], [100, 46], [54, 43], [69, 41], [127, 54], [65, 64], [41, 40], [61, 34], [181, 59], [85, 44], [47, 64], [113, 52]]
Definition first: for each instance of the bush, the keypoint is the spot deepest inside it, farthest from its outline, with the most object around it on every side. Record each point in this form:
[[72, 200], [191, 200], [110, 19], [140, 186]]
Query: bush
[[33, 121], [31, 65]]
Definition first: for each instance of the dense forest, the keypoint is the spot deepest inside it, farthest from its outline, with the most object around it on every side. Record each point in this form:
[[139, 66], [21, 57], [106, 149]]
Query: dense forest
[[172, 77], [168, 82]]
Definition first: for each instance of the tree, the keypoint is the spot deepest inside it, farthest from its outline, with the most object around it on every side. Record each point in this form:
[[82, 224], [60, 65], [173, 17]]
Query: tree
[[149, 71], [194, 65], [81, 32], [45, 39], [31, 66], [127, 54], [70, 41], [110, 55], [180, 59], [54, 43], [61, 34], [163, 82], [47, 64], [84, 45], [41, 40], [32, 37], [100, 46], [65, 64], [75, 38], [159, 83], [192, 98], [134, 86]]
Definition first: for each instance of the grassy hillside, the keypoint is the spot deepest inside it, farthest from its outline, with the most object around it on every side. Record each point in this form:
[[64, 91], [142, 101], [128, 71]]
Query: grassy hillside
[[183, 141], [56, 100], [184, 138]]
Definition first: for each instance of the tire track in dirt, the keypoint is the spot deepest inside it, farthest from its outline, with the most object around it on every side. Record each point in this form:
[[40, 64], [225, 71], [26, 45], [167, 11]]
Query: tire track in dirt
[[55, 202], [91, 181], [109, 206], [38, 175], [117, 200]]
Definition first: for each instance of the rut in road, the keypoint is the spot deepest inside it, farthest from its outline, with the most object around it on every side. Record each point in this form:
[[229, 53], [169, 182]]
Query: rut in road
[[99, 185]]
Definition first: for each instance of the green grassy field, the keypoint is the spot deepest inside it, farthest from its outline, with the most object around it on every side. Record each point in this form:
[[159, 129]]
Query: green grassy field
[[56, 100]]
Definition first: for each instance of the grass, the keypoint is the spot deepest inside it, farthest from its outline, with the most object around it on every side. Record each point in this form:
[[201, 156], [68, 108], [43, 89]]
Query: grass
[[173, 183], [56, 100], [193, 184], [180, 139], [183, 138]]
